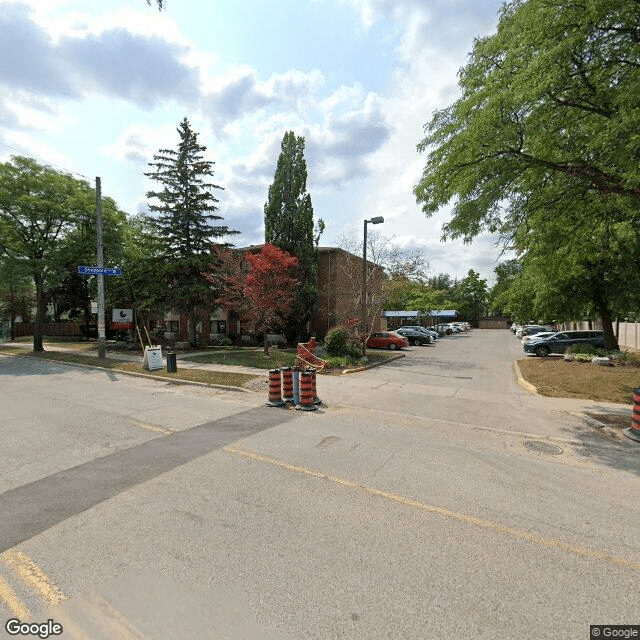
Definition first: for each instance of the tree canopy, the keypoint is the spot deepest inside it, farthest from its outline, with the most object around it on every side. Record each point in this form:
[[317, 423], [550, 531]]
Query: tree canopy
[[40, 211], [289, 225], [181, 218], [544, 137], [549, 112]]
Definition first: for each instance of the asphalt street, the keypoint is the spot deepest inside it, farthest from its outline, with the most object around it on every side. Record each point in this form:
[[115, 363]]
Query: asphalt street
[[433, 497]]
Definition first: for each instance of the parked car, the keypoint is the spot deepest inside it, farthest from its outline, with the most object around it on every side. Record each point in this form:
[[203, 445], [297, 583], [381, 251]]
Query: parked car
[[536, 337], [514, 327], [413, 336], [524, 329], [535, 329], [386, 340], [428, 332], [559, 341], [447, 329]]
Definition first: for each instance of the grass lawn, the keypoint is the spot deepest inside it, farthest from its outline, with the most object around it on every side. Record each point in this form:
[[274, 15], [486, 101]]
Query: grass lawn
[[248, 357], [229, 379], [558, 378]]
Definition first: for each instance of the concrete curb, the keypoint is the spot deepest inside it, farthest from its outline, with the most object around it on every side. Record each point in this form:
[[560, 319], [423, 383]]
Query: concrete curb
[[522, 382], [374, 364], [134, 374]]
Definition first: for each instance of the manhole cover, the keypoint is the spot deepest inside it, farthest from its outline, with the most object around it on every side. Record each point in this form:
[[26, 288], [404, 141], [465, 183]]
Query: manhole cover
[[543, 447]]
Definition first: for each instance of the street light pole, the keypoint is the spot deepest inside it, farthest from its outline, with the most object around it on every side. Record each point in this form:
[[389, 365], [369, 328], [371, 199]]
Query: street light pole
[[365, 331]]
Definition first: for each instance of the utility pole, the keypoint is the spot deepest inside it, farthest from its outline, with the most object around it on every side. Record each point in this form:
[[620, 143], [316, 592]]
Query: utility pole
[[101, 327], [365, 324]]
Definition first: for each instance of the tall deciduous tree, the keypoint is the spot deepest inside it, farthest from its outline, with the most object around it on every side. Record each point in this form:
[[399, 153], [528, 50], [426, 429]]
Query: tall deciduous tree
[[39, 209], [184, 210], [288, 224], [546, 127], [264, 295], [470, 296]]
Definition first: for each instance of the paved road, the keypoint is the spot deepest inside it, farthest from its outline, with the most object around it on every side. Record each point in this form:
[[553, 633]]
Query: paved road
[[409, 507]]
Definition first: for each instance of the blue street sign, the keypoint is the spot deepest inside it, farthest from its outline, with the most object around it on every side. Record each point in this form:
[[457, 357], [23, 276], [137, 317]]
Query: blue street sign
[[106, 271]]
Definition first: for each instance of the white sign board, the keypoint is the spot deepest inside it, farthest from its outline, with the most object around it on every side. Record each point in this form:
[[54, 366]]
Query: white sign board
[[122, 319], [152, 359]]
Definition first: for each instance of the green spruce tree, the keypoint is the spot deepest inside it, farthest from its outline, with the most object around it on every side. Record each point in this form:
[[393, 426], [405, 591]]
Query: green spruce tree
[[288, 224], [182, 217]]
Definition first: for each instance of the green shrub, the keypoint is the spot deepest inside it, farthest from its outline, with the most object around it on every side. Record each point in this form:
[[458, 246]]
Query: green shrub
[[587, 349], [338, 343]]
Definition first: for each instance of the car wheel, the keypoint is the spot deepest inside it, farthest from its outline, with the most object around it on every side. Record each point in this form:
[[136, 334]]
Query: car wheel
[[542, 351], [392, 346]]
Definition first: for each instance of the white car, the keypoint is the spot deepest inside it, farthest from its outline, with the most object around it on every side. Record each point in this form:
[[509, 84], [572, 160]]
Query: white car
[[536, 337]]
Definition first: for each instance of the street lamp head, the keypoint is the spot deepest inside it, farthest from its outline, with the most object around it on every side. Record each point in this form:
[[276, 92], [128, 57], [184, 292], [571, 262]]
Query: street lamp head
[[377, 220]]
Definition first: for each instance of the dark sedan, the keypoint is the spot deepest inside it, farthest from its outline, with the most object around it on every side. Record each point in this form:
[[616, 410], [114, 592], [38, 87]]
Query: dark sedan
[[558, 342]]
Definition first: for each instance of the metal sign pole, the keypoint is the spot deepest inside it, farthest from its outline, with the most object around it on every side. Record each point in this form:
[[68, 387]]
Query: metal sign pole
[[101, 327]]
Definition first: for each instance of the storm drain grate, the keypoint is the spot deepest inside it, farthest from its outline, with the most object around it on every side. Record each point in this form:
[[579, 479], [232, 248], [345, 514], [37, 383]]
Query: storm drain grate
[[543, 447]]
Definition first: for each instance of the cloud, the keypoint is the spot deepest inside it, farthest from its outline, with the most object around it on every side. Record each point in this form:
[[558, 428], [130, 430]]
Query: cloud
[[144, 70], [115, 62], [340, 147], [28, 59], [240, 94]]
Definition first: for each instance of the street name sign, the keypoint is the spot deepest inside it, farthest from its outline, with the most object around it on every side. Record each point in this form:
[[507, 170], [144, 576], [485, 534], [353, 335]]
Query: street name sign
[[105, 271]]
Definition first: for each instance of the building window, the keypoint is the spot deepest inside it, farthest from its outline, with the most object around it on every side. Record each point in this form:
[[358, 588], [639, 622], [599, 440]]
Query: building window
[[171, 326]]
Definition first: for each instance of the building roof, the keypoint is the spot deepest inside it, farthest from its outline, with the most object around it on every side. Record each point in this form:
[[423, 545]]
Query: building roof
[[451, 313], [401, 314]]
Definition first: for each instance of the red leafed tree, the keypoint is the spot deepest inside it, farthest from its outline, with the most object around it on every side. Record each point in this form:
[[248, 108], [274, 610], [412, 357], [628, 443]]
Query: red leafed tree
[[263, 295]]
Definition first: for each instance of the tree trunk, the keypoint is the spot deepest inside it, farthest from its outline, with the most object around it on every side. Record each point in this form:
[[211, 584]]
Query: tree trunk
[[191, 329], [41, 307], [266, 343], [610, 340]]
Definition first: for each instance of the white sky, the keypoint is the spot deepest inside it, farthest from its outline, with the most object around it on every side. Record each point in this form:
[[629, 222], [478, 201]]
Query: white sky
[[98, 86]]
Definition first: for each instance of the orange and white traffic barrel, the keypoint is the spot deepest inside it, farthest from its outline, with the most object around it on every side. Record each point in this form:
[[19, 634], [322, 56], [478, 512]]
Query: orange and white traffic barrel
[[634, 431], [306, 392], [287, 384], [275, 397]]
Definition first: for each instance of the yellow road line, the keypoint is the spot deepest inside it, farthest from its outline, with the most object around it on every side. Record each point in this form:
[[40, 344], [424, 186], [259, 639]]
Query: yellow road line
[[8, 596], [150, 427], [551, 543], [32, 575]]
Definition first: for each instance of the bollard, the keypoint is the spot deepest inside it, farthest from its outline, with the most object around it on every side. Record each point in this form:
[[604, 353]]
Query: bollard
[[275, 399], [287, 384], [634, 431], [314, 371], [306, 392], [296, 386]]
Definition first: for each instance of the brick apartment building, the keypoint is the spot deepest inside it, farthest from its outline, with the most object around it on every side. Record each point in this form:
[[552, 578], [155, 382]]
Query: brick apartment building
[[339, 299]]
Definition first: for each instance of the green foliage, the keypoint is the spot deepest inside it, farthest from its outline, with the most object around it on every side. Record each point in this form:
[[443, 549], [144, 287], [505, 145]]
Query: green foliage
[[184, 208], [339, 342], [542, 149], [588, 349], [470, 296], [288, 225], [221, 341], [41, 211], [341, 361]]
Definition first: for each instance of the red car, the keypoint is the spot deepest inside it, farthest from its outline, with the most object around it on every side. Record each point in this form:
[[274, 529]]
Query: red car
[[386, 340]]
